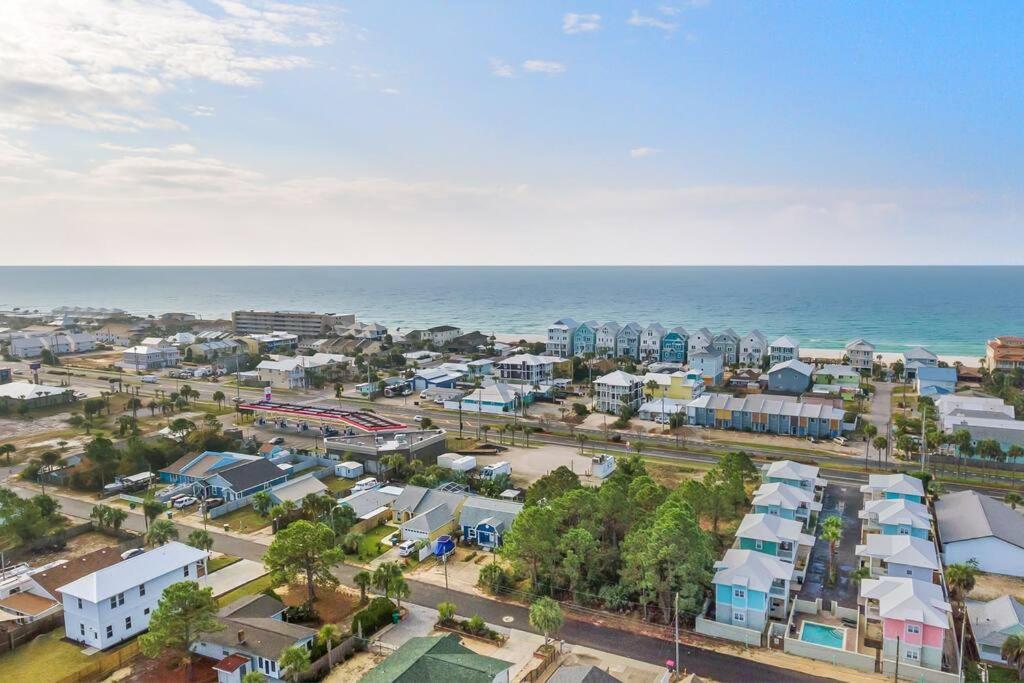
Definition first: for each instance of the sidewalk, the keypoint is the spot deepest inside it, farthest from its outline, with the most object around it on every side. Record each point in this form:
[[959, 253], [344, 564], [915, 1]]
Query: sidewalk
[[234, 575]]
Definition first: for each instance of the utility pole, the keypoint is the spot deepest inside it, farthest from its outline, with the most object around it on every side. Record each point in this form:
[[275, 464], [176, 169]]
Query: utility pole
[[677, 630], [923, 440], [896, 674], [960, 657]]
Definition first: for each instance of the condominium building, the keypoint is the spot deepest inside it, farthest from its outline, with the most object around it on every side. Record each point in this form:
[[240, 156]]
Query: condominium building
[[300, 323], [527, 368]]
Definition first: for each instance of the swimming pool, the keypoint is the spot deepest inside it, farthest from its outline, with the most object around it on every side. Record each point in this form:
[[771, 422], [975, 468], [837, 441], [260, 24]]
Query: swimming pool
[[821, 634]]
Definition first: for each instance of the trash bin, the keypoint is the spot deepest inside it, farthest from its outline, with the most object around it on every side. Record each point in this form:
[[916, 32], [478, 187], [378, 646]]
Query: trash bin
[[394, 617]]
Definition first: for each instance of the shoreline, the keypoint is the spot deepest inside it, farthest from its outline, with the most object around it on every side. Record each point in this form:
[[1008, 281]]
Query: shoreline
[[833, 354]]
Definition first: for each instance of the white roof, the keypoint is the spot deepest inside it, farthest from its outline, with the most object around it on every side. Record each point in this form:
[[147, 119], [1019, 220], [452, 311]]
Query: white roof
[[862, 344], [129, 573], [898, 511], [530, 359], [903, 484], [763, 527], [785, 495], [919, 353], [769, 404], [297, 489], [668, 405], [786, 341], [789, 469], [618, 379], [141, 350], [27, 390], [967, 515], [900, 549], [994, 620], [835, 370], [908, 599], [752, 569], [793, 364], [950, 403]]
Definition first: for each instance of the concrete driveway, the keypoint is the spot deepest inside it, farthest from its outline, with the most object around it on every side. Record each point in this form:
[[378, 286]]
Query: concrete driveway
[[234, 575]]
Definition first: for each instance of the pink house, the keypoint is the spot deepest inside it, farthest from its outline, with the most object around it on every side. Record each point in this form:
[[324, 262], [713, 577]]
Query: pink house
[[914, 617]]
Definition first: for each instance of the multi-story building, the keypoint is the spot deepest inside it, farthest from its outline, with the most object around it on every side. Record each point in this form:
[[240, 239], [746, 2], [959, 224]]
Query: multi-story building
[[784, 348], [439, 335], [788, 502], [677, 385], [627, 341], [911, 616], [299, 323], [790, 377], [584, 339], [699, 342], [606, 338], [769, 414], [618, 389], [750, 588], [893, 487], [916, 358], [673, 345], [370, 449], [861, 354], [899, 555], [728, 343], [1005, 353], [115, 603], [710, 365], [149, 357], [527, 368], [775, 536], [793, 473], [650, 342], [896, 516], [272, 342], [753, 347], [560, 337]]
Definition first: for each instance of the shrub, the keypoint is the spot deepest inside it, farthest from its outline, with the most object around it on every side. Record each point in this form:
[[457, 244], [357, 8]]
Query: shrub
[[580, 409], [301, 613], [476, 625], [494, 579], [376, 615]]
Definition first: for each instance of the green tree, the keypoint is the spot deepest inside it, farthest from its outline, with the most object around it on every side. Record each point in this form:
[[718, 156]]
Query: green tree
[[445, 612], [832, 531], [200, 538], [578, 547], [161, 531], [532, 541], [1013, 652], [1013, 500], [47, 461], [254, 677], [102, 453], [363, 580], [151, 509], [184, 611], [262, 502], [6, 450], [386, 576], [327, 637], [304, 548], [294, 662], [552, 485], [218, 398], [182, 425], [546, 616], [960, 578]]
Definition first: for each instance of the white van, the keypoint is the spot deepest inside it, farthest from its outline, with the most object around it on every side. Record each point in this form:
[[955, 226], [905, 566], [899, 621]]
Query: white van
[[365, 485], [149, 379], [406, 548], [840, 440]]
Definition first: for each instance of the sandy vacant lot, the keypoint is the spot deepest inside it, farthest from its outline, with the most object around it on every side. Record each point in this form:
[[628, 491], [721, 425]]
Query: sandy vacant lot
[[991, 586]]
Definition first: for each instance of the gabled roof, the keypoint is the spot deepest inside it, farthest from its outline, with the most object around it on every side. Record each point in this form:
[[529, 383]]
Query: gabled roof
[[436, 658], [898, 511], [617, 379], [764, 527], [751, 569], [430, 520], [919, 353], [793, 364], [259, 605], [790, 469], [860, 343], [993, 621], [297, 489], [900, 549], [244, 475], [900, 483], [967, 515], [786, 341], [478, 508], [907, 599], [416, 500], [930, 374], [784, 495], [117, 578], [581, 673], [366, 502], [52, 578]]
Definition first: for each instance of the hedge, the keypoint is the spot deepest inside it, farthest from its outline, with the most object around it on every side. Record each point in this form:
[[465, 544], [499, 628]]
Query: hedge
[[377, 614]]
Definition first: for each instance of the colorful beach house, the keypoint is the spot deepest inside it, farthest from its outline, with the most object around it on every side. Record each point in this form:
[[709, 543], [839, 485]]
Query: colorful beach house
[[916, 358], [673, 345], [784, 348], [605, 339], [710, 365], [776, 536], [750, 588], [584, 339], [793, 473], [650, 342], [899, 556], [896, 517], [627, 341], [678, 385], [753, 347], [787, 502], [914, 617], [892, 486]]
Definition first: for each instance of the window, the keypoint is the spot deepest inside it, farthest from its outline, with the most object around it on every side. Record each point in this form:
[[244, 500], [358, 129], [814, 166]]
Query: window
[[79, 603], [145, 611], [81, 629], [913, 655], [739, 616], [186, 570], [739, 593], [142, 590], [120, 599], [913, 628], [113, 602], [110, 631], [910, 572], [128, 623], [758, 544]]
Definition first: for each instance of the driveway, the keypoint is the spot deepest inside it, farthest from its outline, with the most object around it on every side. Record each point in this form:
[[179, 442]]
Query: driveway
[[234, 575], [881, 409], [844, 500]]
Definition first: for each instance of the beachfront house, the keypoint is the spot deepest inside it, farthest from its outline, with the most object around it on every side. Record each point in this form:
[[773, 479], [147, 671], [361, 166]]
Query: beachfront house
[[790, 377], [699, 341], [861, 354], [1005, 353], [560, 337], [973, 526], [710, 365], [992, 623], [899, 555], [650, 342], [584, 339], [753, 347], [896, 516], [728, 343], [606, 336], [115, 603], [627, 341], [892, 486], [788, 502], [616, 390], [750, 588], [935, 381], [775, 536], [673, 345], [784, 348], [916, 358], [912, 618]]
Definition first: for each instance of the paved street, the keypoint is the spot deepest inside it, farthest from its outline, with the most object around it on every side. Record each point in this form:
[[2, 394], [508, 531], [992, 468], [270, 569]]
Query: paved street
[[845, 501]]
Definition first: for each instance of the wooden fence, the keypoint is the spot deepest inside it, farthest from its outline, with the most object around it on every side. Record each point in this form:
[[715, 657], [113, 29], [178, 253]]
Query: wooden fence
[[319, 668], [103, 664], [545, 664], [20, 635]]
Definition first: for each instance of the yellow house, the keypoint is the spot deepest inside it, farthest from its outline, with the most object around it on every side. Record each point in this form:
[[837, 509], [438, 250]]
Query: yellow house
[[679, 385]]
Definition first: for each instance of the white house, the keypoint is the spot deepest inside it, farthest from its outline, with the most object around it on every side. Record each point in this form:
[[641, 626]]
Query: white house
[[604, 342], [617, 389], [916, 358], [115, 603], [728, 343], [753, 347], [899, 555], [699, 342], [149, 357], [26, 347], [528, 368], [861, 354], [288, 373], [784, 348], [650, 341], [973, 526], [992, 623], [560, 335]]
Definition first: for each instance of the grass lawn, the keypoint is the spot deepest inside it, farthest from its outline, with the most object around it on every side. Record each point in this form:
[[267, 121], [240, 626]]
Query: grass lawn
[[43, 658], [244, 519], [221, 562], [252, 588], [370, 546], [338, 484]]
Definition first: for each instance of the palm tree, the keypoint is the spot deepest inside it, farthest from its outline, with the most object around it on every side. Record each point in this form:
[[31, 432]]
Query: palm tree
[[385, 576], [47, 461], [294, 662], [7, 449], [1013, 652], [484, 429], [328, 636], [151, 509], [526, 434], [254, 677], [960, 578], [116, 517], [201, 539], [161, 531], [832, 531], [262, 502], [400, 589], [1011, 499], [218, 398], [860, 573], [364, 580]]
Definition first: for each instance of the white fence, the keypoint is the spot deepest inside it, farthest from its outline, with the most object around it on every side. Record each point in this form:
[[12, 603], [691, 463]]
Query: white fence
[[710, 627]]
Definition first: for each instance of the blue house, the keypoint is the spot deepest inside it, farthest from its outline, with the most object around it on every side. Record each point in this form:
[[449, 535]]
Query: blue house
[[793, 473], [750, 588], [896, 517], [790, 377], [226, 475], [787, 502], [935, 381], [710, 364], [435, 378], [485, 521], [584, 339], [673, 345], [893, 486]]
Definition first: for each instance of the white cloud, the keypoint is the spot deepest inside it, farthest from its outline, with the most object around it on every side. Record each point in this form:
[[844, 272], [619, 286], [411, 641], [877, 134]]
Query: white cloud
[[544, 67], [637, 19], [580, 23], [391, 91], [502, 69], [97, 65], [668, 10], [643, 152], [200, 110], [15, 154]]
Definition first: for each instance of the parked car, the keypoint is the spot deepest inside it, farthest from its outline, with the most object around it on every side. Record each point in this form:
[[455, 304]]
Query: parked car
[[128, 554], [149, 379], [182, 503], [81, 395], [211, 503], [812, 439], [277, 440], [406, 549], [424, 394], [417, 419], [840, 440]]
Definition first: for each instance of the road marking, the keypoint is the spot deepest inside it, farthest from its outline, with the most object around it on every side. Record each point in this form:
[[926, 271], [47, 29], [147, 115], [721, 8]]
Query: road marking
[[508, 619]]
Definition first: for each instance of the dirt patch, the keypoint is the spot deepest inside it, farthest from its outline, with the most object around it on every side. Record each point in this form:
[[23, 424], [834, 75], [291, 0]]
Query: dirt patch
[[355, 668], [169, 669], [992, 586], [334, 607], [76, 547], [671, 475]]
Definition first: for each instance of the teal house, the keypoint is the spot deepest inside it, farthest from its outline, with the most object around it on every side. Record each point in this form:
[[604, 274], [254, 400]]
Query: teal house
[[793, 473], [584, 339], [750, 588], [673, 345], [787, 502], [896, 516], [893, 486]]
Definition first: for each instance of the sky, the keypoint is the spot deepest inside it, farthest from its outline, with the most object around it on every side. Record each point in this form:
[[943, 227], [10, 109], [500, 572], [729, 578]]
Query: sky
[[529, 132]]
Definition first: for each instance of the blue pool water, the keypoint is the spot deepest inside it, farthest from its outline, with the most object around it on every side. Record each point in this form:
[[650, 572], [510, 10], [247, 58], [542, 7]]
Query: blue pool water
[[820, 634]]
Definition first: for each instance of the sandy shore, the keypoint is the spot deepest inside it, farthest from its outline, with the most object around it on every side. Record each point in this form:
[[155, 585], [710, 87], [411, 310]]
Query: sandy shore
[[837, 354]]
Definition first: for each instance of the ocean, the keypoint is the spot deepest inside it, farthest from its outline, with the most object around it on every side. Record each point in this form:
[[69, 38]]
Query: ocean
[[951, 310]]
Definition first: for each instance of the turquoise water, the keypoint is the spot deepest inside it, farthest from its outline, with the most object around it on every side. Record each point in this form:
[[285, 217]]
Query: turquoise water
[[952, 310], [820, 634]]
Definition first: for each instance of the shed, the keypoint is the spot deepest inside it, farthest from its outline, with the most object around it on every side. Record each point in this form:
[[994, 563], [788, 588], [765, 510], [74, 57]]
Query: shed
[[350, 469]]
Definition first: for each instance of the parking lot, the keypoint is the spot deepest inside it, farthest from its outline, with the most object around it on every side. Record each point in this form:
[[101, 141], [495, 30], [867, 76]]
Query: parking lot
[[530, 464]]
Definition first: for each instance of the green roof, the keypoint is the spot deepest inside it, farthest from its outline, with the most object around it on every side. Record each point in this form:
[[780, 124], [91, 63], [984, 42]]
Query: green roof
[[436, 658]]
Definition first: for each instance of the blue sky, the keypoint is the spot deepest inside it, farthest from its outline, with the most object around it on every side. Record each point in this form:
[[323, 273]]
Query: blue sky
[[531, 132]]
